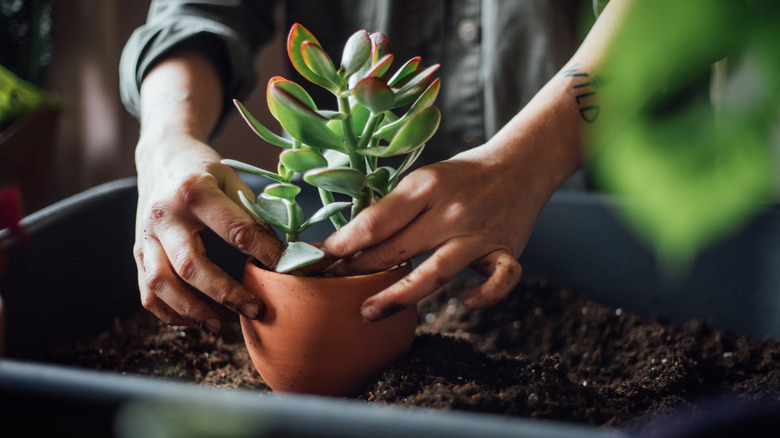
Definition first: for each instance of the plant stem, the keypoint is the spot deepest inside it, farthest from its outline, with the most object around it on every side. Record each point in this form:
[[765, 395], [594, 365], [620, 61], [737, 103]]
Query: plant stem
[[294, 222], [338, 220], [369, 130], [356, 161]]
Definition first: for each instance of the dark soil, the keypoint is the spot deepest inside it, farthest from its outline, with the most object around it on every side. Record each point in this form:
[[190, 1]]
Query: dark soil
[[545, 353]]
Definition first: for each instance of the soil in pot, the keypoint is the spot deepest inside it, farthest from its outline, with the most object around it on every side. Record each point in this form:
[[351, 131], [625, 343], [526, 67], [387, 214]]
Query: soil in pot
[[545, 353]]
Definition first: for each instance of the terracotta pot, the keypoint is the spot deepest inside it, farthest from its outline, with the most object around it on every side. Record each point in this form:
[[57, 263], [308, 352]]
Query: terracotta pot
[[312, 338]]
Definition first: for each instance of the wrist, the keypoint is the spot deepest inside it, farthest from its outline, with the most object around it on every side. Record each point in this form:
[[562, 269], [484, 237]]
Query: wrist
[[543, 143]]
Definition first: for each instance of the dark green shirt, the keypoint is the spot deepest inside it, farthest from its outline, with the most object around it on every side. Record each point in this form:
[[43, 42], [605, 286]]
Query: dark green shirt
[[494, 54]]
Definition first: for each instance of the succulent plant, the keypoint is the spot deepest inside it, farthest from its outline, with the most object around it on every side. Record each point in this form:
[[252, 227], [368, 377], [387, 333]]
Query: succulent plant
[[379, 115]]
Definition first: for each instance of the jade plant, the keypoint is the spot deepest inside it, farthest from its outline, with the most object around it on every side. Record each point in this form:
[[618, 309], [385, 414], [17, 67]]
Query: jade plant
[[380, 113]]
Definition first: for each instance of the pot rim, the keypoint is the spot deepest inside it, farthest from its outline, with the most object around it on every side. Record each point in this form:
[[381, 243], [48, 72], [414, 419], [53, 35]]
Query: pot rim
[[255, 264]]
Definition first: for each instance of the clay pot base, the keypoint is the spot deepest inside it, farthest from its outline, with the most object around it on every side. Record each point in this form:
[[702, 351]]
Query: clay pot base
[[312, 338]]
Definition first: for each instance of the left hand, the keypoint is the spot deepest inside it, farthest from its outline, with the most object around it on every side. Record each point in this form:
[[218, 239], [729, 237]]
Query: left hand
[[472, 210]]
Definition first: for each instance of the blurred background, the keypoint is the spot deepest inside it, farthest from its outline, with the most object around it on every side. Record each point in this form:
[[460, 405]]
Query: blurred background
[[72, 49]]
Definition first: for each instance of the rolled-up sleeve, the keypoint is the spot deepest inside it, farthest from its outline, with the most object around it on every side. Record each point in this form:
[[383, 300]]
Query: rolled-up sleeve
[[228, 32]]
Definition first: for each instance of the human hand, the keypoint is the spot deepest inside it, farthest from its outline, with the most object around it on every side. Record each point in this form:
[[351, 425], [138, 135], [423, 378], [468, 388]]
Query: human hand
[[473, 210], [181, 193]]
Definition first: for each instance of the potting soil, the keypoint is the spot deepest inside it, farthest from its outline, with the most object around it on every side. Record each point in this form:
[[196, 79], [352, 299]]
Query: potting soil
[[544, 353]]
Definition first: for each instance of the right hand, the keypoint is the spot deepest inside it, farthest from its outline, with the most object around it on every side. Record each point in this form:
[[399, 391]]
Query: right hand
[[182, 190]]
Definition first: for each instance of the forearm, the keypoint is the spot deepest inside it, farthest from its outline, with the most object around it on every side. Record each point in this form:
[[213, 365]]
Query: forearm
[[545, 141], [180, 97]]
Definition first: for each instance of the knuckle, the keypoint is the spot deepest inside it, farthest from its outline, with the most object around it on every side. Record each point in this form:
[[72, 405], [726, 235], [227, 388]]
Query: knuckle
[[455, 213], [138, 254], [184, 265], [191, 187], [222, 292], [148, 302], [435, 265], [369, 225], [155, 280], [240, 234]]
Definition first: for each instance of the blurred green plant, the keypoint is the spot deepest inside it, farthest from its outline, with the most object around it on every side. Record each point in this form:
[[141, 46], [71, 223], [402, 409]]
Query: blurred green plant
[[19, 98], [691, 172], [338, 151]]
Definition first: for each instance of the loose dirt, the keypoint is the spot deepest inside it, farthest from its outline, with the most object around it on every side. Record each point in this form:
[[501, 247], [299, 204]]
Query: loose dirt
[[544, 353]]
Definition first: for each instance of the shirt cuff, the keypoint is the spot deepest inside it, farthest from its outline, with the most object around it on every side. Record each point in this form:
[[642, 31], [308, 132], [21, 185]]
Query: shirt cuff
[[149, 44]]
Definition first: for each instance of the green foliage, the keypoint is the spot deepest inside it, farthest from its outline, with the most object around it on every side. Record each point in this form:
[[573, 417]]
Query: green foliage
[[19, 98], [338, 151], [691, 172]]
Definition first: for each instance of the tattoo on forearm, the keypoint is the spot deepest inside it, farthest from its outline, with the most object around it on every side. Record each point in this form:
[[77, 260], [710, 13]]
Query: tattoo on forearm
[[585, 92]]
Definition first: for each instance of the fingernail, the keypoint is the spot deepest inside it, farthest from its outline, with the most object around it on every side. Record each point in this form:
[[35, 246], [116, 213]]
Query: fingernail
[[250, 310], [470, 303], [370, 313], [373, 313], [214, 325]]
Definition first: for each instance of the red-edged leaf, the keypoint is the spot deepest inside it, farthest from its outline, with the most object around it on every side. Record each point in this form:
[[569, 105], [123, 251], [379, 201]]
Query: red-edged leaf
[[320, 64], [412, 86], [411, 136], [303, 122], [426, 99], [302, 160], [405, 70], [382, 66], [380, 46], [295, 39], [283, 190], [340, 180], [261, 130], [374, 94]]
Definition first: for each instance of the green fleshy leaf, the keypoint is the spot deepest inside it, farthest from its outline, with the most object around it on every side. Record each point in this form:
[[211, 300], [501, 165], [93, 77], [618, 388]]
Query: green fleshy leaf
[[297, 255], [291, 87], [692, 176], [405, 70], [336, 159], [325, 213], [248, 168], [302, 122], [340, 180], [411, 87], [284, 172], [380, 46], [426, 100], [407, 163], [357, 52], [381, 67], [282, 191], [261, 130], [378, 70], [374, 94], [302, 160], [360, 115], [320, 64], [332, 115], [297, 36], [270, 212], [379, 179], [412, 135]]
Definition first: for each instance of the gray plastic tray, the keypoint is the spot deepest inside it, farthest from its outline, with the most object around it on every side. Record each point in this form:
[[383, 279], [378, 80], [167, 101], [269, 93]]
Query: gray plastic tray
[[79, 274]]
